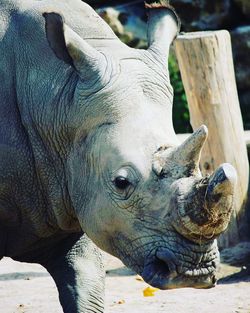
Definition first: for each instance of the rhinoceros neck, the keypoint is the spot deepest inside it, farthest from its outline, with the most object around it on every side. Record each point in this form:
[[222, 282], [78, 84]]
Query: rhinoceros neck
[[44, 95], [44, 112]]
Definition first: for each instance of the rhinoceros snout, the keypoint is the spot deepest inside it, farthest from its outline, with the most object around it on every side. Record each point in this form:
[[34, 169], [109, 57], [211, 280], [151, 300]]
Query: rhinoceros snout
[[165, 271]]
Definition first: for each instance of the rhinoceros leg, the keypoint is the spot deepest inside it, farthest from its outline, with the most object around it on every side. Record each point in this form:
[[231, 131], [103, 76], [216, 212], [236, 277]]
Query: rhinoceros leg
[[79, 275]]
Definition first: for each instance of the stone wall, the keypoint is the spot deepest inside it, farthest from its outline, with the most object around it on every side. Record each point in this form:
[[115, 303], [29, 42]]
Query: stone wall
[[128, 19]]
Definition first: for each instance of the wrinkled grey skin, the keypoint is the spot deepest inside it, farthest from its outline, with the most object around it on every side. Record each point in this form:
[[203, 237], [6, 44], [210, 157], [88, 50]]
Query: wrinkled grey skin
[[88, 150]]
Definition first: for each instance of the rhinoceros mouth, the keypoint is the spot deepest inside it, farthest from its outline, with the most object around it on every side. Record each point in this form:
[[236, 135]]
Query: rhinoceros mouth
[[162, 271]]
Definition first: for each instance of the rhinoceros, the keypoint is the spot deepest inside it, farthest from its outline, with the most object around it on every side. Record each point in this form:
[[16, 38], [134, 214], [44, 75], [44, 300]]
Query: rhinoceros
[[90, 159]]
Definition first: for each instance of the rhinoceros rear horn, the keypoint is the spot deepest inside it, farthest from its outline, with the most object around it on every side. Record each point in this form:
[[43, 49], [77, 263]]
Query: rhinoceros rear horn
[[163, 26], [185, 156], [189, 151], [72, 49]]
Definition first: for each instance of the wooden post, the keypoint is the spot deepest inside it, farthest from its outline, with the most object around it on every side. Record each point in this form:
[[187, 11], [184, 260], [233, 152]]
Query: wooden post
[[206, 65]]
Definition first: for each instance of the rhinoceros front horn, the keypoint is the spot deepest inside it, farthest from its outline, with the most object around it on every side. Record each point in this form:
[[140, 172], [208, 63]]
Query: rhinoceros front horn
[[207, 206], [219, 198]]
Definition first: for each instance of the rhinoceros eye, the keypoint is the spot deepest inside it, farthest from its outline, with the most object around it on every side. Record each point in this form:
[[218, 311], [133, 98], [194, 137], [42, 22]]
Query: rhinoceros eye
[[122, 182]]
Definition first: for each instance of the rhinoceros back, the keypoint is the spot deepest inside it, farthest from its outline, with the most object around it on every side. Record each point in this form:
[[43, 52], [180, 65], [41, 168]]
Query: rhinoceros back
[[78, 15]]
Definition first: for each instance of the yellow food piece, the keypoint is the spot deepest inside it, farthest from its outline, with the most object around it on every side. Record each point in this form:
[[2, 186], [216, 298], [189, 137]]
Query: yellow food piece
[[149, 291]]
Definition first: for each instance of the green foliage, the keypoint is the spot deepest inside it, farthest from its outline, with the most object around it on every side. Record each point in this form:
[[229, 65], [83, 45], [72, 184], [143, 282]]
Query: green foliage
[[180, 106]]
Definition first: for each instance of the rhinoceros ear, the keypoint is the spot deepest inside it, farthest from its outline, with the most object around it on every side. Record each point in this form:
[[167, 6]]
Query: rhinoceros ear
[[71, 48], [163, 25]]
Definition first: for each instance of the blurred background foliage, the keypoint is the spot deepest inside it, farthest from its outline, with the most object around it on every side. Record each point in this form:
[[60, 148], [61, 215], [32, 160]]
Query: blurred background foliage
[[180, 105], [128, 20]]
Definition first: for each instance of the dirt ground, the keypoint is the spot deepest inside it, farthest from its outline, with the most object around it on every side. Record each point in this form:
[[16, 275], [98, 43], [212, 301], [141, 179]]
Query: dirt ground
[[28, 288]]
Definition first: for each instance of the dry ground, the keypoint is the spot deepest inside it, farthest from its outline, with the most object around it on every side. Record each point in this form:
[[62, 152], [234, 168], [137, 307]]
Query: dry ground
[[27, 288]]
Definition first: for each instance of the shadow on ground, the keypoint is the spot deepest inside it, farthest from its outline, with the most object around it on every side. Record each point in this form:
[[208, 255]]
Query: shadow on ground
[[25, 275], [235, 257], [242, 276], [120, 271]]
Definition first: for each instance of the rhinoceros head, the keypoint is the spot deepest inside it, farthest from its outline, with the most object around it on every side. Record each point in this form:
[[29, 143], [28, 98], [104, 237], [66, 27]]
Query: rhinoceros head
[[138, 194]]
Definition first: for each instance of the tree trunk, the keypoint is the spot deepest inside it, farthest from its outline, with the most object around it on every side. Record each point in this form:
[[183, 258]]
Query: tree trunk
[[206, 65]]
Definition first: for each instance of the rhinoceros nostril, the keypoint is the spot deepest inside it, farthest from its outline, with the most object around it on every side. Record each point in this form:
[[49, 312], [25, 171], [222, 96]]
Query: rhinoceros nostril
[[168, 258], [159, 269], [162, 267]]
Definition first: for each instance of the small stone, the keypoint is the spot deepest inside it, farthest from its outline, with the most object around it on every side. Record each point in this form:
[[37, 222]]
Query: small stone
[[121, 301], [139, 278]]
